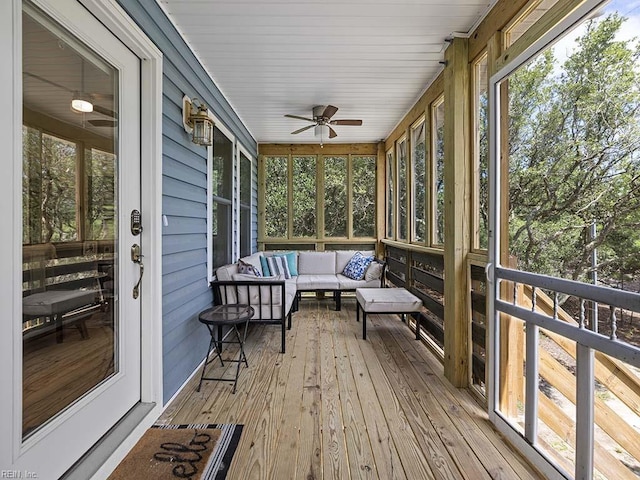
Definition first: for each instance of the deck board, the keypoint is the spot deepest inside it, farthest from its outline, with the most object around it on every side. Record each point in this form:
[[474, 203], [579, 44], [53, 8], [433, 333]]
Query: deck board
[[336, 406]]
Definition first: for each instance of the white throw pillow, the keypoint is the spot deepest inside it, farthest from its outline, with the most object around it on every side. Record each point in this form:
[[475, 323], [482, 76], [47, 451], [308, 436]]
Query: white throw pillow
[[374, 272]]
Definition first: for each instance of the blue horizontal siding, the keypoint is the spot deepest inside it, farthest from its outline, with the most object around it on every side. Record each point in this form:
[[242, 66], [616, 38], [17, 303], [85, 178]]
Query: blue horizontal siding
[[184, 199], [175, 262]]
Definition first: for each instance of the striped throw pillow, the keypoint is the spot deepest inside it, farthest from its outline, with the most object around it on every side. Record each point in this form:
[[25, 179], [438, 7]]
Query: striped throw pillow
[[279, 266]]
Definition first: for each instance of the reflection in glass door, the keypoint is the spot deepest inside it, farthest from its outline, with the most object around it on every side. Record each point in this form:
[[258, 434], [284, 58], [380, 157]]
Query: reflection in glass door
[[70, 220]]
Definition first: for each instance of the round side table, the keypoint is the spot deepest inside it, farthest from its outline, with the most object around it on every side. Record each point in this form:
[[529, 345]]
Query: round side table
[[215, 319]]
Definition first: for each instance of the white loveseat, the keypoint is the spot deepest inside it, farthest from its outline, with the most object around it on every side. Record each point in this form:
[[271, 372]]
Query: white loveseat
[[274, 298]]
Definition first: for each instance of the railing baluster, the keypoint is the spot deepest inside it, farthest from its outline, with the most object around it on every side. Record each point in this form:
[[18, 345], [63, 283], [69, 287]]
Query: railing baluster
[[614, 323], [534, 297], [585, 391], [531, 385], [515, 293], [582, 313], [555, 305]]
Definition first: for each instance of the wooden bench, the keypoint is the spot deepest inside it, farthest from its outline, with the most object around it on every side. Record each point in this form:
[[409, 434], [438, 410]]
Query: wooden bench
[[384, 300]]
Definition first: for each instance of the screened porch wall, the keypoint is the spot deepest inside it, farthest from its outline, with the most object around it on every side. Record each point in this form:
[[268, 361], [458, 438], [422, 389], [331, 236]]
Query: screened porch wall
[[321, 233], [185, 291]]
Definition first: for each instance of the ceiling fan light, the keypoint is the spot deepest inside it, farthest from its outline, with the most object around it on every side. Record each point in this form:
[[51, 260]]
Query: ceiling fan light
[[81, 103], [321, 131]]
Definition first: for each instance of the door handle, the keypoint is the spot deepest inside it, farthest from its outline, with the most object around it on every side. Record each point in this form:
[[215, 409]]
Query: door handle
[[136, 257]]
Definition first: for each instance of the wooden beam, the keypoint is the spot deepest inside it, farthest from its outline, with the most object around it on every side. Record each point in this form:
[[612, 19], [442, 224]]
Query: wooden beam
[[276, 149], [457, 345], [421, 107], [499, 16], [551, 18]]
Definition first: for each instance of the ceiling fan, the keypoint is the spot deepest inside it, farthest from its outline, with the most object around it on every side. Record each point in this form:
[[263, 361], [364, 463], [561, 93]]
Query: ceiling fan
[[322, 117], [96, 122]]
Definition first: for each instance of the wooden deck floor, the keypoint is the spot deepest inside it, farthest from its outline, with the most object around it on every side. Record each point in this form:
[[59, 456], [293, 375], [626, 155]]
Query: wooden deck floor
[[335, 406]]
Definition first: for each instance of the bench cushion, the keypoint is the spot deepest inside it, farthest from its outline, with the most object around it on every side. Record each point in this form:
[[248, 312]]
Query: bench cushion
[[55, 302], [391, 300]]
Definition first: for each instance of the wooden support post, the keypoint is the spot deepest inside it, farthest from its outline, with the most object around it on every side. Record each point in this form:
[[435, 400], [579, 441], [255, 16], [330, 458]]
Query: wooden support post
[[457, 195], [262, 202], [381, 206]]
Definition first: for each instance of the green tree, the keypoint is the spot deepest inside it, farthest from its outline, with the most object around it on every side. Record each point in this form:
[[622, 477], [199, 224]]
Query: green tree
[[574, 158]]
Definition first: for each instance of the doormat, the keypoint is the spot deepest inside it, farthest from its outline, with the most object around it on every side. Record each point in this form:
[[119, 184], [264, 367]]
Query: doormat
[[195, 452]]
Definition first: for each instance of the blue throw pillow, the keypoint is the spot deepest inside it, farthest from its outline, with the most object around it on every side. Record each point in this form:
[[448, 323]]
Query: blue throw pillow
[[291, 261], [265, 266], [357, 266]]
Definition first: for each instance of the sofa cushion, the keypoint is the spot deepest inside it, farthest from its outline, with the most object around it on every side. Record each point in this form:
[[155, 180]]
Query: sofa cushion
[[255, 261], [226, 272], [343, 257], [279, 266], [357, 266], [253, 295], [317, 282], [317, 263], [347, 283], [248, 269], [266, 300]]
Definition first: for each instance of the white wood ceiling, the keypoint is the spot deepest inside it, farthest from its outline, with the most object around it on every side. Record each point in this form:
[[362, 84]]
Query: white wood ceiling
[[370, 58]]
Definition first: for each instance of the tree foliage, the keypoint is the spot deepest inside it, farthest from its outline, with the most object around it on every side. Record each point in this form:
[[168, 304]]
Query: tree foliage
[[574, 157], [334, 202]]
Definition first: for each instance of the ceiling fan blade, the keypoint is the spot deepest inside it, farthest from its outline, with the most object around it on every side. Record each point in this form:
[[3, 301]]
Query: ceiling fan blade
[[102, 96], [102, 123], [332, 133], [300, 118], [329, 111], [302, 129], [104, 111], [346, 122]]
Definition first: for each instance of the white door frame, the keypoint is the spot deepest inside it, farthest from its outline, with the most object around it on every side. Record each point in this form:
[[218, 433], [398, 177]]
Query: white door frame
[[123, 27], [543, 464]]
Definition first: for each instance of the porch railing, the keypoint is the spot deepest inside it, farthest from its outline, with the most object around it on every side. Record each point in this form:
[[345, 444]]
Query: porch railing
[[600, 356]]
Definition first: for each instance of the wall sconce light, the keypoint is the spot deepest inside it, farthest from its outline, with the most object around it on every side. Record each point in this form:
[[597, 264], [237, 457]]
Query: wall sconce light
[[195, 117]]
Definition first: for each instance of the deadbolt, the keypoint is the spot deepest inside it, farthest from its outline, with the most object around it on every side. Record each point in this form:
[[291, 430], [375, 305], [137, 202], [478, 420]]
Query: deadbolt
[[136, 222]]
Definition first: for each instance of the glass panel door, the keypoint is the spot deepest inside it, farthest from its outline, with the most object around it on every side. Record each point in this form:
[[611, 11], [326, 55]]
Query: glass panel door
[[70, 221], [81, 178]]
